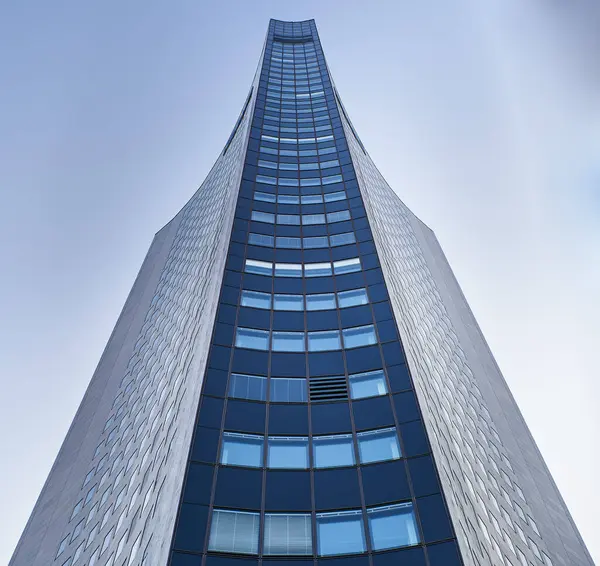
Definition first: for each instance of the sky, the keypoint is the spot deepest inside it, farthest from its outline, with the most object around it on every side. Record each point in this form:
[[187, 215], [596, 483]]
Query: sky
[[483, 115]]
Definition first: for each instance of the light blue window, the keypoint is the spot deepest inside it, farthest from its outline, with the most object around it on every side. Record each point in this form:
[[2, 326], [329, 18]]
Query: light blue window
[[338, 216], [292, 219], [288, 270], [346, 266], [288, 199], [359, 336], [317, 269], [352, 298], [333, 451], [288, 166], [252, 338], [315, 242], [285, 390], [311, 182], [311, 199], [326, 164], [327, 150], [320, 341], [267, 164], [288, 342], [331, 178], [392, 526], [242, 450], [286, 182], [288, 452], [320, 302], [288, 302], [308, 219], [287, 534], [256, 300], [309, 166], [289, 243], [265, 178], [270, 150], [369, 384], [332, 197], [342, 239], [259, 216], [248, 387], [264, 197], [258, 267], [261, 240], [234, 531], [378, 445], [341, 532]]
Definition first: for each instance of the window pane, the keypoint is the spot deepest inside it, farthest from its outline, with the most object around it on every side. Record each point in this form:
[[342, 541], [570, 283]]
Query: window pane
[[248, 387], [234, 531], [339, 216], [378, 445], [256, 300], [319, 341], [308, 219], [392, 526], [265, 197], [288, 303], [333, 451], [331, 197], [287, 534], [359, 336], [261, 240], [288, 452], [288, 199], [342, 239], [315, 242], [259, 216], [352, 298], [317, 269], [293, 219], [288, 390], [242, 450], [370, 384], [340, 533], [259, 267], [288, 270], [320, 302], [346, 266], [311, 199], [288, 342], [288, 242], [251, 338]]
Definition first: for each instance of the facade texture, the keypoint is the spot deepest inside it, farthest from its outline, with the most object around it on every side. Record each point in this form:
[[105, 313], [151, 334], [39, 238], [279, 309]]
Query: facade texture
[[297, 377]]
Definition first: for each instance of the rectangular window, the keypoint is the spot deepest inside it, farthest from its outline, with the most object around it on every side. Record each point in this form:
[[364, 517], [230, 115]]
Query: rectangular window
[[333, 451], [315, 242], [248, 387], [258, 267], [288, 302], [252, 338], [288, 452], [359, 336], [289, 243], [369, 384], [234, 531], [341, 532], [346, 266], [264, 197], [288, 342], [320, 341], [317, 269], [392, 526], [339, 216], [332, 197], [342, 239], [261, 240], [378, 445], [322, 302], [311, 199], [256, 300], [287, 535], [292, 219], [288, 269], [242, 450], [287, 199], [352, 298], [259, 216], [309, 219], [288, 390]]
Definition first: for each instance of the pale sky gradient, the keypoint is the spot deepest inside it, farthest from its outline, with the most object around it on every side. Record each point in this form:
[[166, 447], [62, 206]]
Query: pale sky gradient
[[484, 116]]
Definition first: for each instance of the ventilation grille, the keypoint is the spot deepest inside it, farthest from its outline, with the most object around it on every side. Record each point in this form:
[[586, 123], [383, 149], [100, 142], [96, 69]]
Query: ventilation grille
[[328, 388]]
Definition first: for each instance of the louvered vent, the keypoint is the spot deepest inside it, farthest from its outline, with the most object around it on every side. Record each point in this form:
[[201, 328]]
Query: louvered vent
[[328, 388]]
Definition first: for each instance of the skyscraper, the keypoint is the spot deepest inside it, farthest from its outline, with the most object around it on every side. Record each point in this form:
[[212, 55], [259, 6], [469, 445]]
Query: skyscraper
[[296, 376]]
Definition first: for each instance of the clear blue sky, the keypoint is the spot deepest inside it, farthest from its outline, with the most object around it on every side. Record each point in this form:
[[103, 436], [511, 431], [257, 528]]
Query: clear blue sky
[[483, 115]]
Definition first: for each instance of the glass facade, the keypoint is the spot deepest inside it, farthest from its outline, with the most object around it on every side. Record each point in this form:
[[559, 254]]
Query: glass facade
[[296, 376]]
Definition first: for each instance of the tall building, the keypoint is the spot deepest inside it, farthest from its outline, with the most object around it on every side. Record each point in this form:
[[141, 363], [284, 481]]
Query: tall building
[[296, 376]]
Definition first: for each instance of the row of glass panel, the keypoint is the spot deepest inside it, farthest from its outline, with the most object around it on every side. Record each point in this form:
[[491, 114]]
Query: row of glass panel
[[314, 302], [295, 182], [318, 198], [301, 166], [295, 153], [339, 532], [300, 219], [321, 341], [294, 390], [307, 243], [332, 451], [321, 269], [274, 96], [316, 109], [303, 120]]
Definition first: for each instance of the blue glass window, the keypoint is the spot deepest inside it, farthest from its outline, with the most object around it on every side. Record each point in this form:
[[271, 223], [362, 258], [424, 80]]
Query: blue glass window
[[252, 338], [369, 384], [293, 219], [341, 532], [308, 219], [321, 302], [378, 445], [392, 526], [320, 341], [248, 387], [288, 303], [311, 199], [317, 269], [359, 336], [265, 178], [288, 199], [242, 450], [288, 390], [288, 269], [346, 266], [260, 216], [264, 197], [333, 451], [288, 342], [256, 300], [258, 267], [288, 452], [315, 242], [338, 216], [352, 298], [342, 239], [288, 242], [287, 534], [234, 531], [261, 240]]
